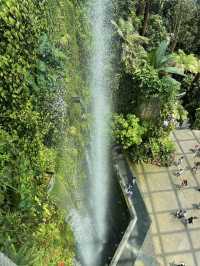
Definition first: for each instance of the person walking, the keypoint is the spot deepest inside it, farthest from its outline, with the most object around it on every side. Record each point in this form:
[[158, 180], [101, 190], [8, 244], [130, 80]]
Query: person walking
[[179, 161], [181, 213], [184, 183], [179, 172], [196, 167], [197, 150], [190, 220]]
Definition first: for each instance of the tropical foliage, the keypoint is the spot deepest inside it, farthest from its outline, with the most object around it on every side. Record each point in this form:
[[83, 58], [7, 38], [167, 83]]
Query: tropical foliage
[[161, 80], [162, 61], [40, 73]]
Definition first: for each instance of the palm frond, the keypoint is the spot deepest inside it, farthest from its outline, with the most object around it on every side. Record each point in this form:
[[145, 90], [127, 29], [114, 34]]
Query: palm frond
[[152, 57], [160, 52], [172, 70], [119, 31], [167, 60]]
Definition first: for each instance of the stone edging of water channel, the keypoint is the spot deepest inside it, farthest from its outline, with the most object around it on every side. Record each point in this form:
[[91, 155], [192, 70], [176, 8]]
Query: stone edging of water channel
[[120, 163]]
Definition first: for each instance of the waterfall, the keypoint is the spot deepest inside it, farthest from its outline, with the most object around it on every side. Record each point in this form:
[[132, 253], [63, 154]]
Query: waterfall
[[90, 223], [99, 181]]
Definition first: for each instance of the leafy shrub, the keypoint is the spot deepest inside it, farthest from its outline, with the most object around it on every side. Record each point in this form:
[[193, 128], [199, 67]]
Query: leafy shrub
[[127, 130], [159, 151]]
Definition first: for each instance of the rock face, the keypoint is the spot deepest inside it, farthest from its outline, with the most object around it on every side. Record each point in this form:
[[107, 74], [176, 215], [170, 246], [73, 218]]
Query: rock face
[[5, 261]]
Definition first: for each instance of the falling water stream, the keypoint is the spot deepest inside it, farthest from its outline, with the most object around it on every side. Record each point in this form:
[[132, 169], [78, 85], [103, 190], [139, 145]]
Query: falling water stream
[[100, 62], [90, 226]]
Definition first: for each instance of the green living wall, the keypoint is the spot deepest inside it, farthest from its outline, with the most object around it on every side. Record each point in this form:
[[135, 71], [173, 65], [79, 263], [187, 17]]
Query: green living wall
[[42, 131]]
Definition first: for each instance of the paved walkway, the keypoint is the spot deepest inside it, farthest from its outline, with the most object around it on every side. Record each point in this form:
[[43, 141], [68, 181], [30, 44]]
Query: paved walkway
[[172, 240]]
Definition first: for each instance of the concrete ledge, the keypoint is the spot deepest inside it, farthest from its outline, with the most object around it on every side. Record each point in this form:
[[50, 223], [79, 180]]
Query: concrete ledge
[[119, 159], [138, 227]]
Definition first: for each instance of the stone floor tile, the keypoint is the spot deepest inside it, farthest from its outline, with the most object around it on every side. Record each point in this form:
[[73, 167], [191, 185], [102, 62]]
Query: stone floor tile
[[197, 254], [191, 159], [196, 222], [149, 168], [187, 145], [148, 204], [159, 181], [160, 261], [178, 149], [197, 134], [195, 235], [192, 181], [187, 258], [184, 164], [141, 181], [153, 227], [175, 242], [164, 201], [167, 222], [188, 197], [157, 245], [184, 134]]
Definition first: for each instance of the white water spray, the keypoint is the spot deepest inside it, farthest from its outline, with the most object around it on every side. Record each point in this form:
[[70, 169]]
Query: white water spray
[[101, 111], [90, 226]]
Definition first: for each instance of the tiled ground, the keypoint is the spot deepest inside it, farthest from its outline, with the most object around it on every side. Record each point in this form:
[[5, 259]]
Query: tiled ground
[[172, 240]]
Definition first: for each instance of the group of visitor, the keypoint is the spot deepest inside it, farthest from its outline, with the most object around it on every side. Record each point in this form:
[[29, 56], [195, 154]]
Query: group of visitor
[[182, 214]]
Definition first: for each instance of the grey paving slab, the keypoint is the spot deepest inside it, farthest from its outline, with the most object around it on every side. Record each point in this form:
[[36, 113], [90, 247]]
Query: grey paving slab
[[198, 256], [178, 149], [177, 242], [186, 146], [197, 134], [185, 257], [195, 235], [164, 201], [188, 197], [185, 134], [159, 181], [168, 223]]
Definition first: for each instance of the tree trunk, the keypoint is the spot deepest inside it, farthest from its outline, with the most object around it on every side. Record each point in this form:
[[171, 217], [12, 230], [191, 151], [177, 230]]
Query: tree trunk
[[146, 17], [173, 45], [140, 8], [196, 78], [177, 24]]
